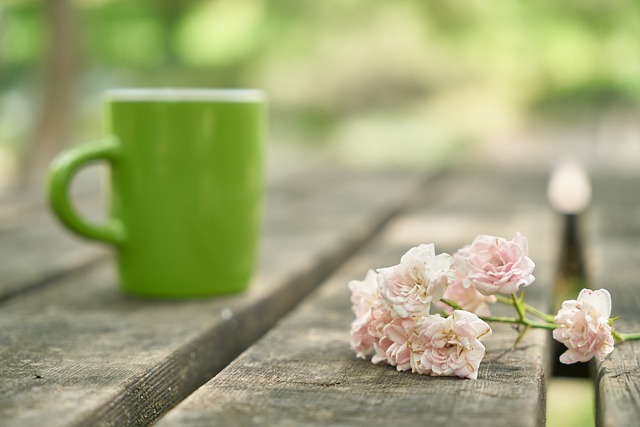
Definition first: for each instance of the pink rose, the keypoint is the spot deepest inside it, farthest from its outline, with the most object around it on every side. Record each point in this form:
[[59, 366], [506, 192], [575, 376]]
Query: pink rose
[[420, 279], [361, 340], [494, 264], [468, 298], [448, 346], [393, 347], [366, 305], [363, 293], [585, 328]]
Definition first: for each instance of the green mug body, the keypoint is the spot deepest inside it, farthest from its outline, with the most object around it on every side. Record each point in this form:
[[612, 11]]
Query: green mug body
[[186, 188]]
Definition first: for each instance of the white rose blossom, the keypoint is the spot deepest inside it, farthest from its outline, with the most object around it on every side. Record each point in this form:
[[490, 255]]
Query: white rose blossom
[[419, 280], [449, 346], [584, 327]]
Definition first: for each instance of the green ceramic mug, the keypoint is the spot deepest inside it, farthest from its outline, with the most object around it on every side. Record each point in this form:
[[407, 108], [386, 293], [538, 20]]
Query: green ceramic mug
[[186, 188]]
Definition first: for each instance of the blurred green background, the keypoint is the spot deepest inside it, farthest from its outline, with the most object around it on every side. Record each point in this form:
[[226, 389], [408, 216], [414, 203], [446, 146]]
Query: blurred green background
[[405, 82]]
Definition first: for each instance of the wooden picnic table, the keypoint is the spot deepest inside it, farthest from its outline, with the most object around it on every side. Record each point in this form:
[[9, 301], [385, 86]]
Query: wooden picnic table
[[77, 351]]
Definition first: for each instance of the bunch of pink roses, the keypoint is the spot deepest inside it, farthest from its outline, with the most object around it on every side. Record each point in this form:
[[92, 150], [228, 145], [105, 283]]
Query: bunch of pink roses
[[429, 313]]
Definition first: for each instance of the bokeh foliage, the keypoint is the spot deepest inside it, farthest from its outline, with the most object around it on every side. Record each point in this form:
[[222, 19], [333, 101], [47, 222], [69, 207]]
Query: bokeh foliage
[[334, 67]]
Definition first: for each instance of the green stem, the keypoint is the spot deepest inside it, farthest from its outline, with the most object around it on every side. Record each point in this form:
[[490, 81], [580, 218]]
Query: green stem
[[539, 314], [625, 337], [451, 304], [504, 300], [525, 322], [517, 303], [503, 319]]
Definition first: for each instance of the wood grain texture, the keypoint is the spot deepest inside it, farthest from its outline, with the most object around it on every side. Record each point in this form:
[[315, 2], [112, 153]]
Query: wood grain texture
[[35, 248], [79, 352], [613, 234], [303, 373]]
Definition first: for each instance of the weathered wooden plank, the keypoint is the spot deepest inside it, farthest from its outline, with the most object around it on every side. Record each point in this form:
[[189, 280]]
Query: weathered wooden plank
[[613, 261], [304, 373], [35, 248], [79, 352]]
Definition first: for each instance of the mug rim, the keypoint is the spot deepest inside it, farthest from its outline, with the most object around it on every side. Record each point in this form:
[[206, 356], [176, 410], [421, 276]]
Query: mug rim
[[184, 94]]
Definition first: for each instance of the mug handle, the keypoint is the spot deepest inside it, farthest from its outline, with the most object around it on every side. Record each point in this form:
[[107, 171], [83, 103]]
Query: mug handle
[[61, 172]]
